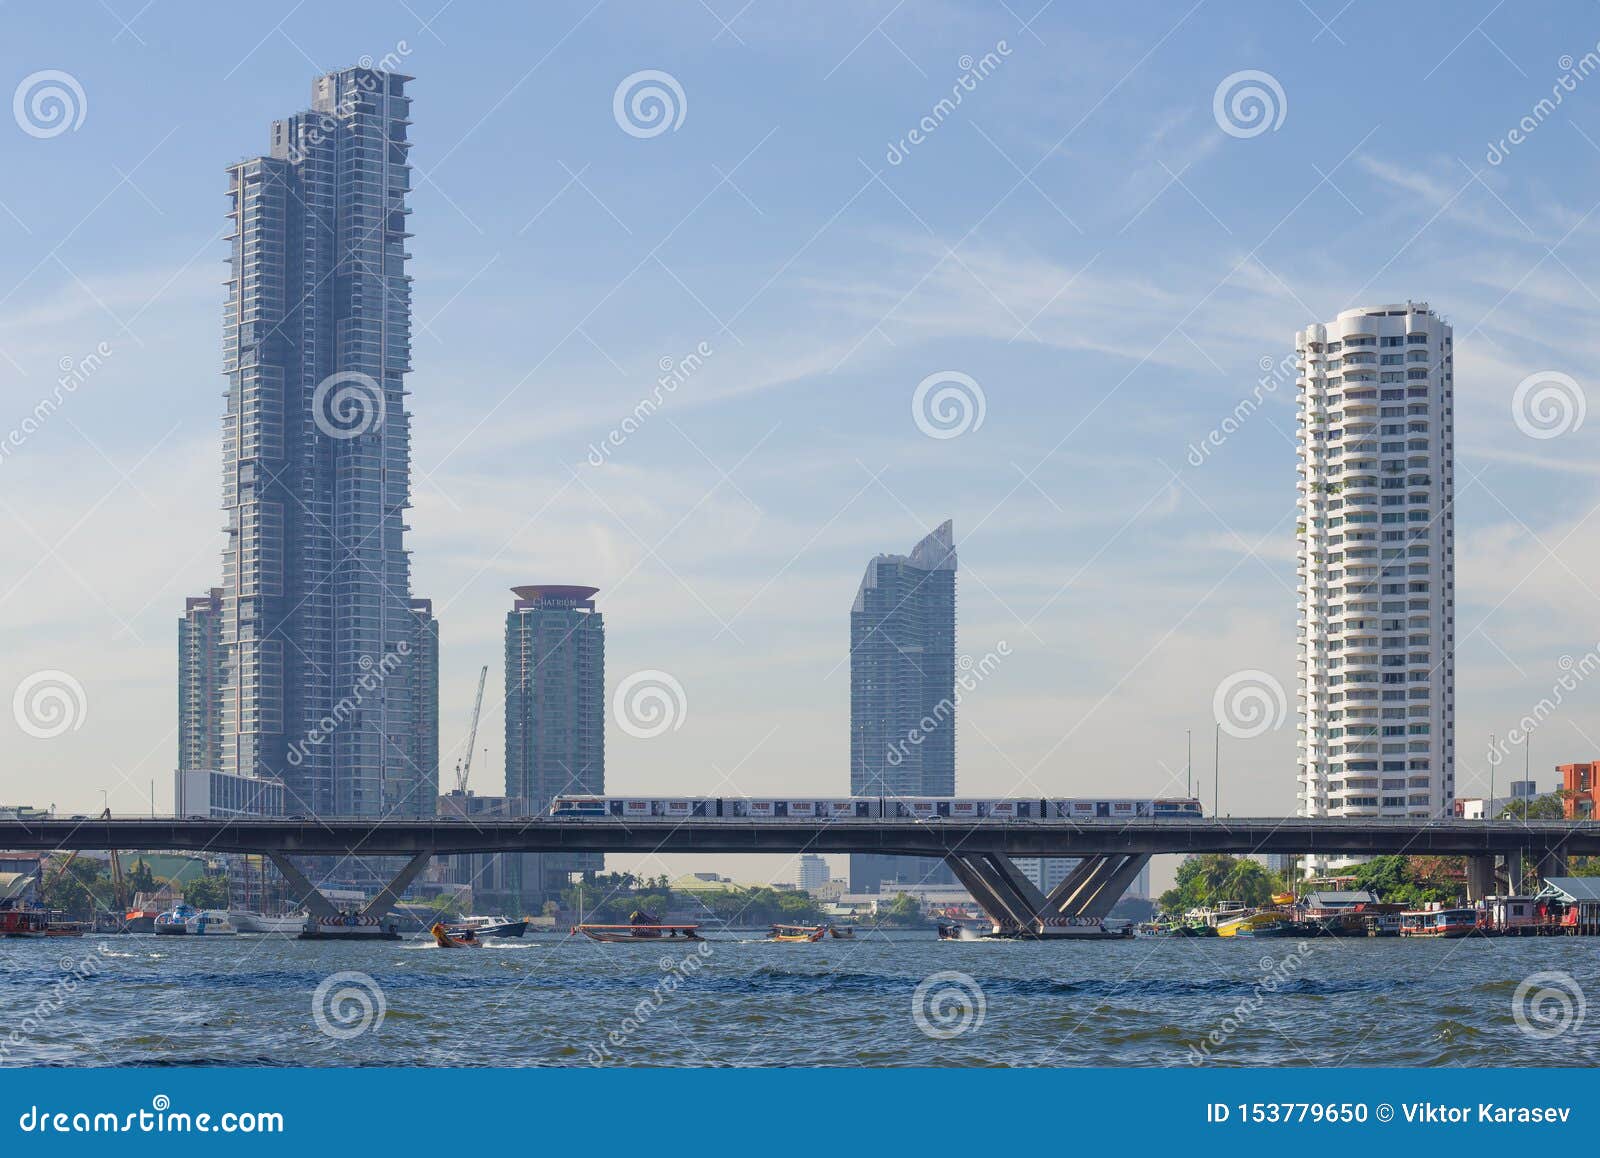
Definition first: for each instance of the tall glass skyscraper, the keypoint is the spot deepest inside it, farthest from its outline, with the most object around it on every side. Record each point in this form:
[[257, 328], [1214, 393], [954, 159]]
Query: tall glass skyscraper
[[201, 671], [902, 692], [326, 683], [555, 718]]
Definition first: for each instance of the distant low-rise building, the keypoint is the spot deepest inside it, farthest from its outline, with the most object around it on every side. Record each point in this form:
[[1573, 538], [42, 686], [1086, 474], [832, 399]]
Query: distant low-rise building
[[1581, 785]]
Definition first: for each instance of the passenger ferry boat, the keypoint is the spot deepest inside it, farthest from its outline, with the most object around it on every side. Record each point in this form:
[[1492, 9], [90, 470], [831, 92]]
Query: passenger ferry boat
[[175, 921], [1439, 923], [250, 922], [210, 923]]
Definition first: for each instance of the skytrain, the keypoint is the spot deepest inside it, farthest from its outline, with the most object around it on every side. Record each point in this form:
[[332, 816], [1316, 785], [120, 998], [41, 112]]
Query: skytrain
[[928, 808]]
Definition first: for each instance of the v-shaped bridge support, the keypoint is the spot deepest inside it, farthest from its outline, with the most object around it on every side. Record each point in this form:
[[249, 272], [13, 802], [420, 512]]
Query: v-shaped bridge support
[[319, 906]]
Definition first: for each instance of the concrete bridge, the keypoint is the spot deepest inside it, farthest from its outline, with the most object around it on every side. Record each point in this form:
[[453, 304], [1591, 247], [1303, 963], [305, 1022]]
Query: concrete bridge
[[979, 852]]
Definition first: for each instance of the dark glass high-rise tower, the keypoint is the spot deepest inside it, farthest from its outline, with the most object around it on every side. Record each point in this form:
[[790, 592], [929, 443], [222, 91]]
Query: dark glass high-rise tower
[[555, 719], [326, 682], [902, 691]]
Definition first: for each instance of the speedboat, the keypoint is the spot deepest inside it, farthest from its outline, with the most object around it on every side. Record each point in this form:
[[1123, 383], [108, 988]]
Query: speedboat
[[210, 923], [175, 921], [490, 926]]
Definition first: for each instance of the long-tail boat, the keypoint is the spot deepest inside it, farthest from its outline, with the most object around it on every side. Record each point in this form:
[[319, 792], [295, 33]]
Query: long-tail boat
[[798, 932], [445, 939]]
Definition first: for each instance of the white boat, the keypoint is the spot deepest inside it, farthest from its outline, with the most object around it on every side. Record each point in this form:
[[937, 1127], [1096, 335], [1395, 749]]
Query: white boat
[[210, 923], [249, 922]]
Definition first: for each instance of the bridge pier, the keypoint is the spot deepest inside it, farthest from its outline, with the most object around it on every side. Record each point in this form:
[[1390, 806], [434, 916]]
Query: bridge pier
[[1015, 904], [1480, 877], [1096, 885], [1515, 885], [378, 907]]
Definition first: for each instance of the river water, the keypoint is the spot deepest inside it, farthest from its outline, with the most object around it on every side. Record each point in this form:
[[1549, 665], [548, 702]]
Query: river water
[[884, 1000]]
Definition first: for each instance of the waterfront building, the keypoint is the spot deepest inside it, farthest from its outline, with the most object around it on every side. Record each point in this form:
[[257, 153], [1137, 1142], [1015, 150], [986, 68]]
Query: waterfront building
[[555, 715], [201, 671], [1581, 785], [319, 634], [813, 872], [214, 794], [902, 693], [1376, 564], [1046, 872]]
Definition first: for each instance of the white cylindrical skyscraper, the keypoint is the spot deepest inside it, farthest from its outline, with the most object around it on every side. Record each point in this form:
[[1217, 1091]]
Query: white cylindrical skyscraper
[[1376, 564]]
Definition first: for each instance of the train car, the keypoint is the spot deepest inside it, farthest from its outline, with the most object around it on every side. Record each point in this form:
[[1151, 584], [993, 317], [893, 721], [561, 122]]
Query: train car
[[578, 806], [923, 808], [1176, 809]]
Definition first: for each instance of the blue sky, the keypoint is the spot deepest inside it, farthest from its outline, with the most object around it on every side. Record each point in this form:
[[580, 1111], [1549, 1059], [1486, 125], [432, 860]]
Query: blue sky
[[1079, 237]]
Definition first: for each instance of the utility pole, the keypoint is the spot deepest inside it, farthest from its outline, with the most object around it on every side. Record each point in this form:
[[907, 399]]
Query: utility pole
[[1489, 805]]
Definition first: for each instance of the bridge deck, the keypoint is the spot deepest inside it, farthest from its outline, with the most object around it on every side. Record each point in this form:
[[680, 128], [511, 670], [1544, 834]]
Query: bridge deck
[[329, 835]]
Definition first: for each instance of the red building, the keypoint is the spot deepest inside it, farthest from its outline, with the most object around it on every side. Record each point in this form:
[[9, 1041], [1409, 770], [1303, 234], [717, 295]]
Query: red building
[[1581, 783]]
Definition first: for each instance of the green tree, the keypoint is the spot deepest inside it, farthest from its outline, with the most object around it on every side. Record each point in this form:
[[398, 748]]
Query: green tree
[[141, 879], [77, 886], [1406, 880], [1210, 877], [1550, 806], [904, 911], [207, 892]]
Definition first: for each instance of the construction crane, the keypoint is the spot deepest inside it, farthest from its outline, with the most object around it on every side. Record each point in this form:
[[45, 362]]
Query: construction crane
[[464, 765]]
